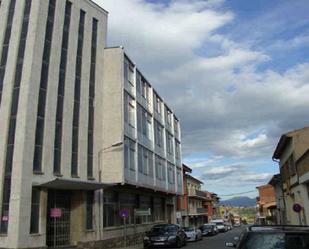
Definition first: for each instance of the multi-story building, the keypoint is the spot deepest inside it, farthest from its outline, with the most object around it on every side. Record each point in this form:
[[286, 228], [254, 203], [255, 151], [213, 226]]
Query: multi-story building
[[292, 155], [276, 182], [60, 138], [197, 212], [50, 120], [141, 146], [266, 204]]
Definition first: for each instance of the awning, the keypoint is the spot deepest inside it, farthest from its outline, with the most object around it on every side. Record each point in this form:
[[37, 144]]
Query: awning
[[73, 184]]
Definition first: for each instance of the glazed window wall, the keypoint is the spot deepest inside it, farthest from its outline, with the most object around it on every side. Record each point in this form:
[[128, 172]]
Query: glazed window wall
[[145, 161], [129, 154]]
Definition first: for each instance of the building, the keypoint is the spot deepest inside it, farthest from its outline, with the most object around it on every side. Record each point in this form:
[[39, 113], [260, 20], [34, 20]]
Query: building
[[266, 204], [183, 200], [50, 125], [70, 159], [196, 211], [276, 182], [141, 148], [212, 205], [292, 155]]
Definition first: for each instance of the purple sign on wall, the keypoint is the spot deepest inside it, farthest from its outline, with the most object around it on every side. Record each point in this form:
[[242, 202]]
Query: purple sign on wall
[[55, 212], [124, 213], [297, 208]]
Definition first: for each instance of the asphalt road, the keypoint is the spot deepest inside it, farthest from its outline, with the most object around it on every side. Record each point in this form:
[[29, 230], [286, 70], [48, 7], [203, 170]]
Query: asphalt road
[[215, 242]]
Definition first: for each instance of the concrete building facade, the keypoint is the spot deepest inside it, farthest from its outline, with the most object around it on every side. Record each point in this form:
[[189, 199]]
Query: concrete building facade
[[292, 155], [67, 156], [266, 205]]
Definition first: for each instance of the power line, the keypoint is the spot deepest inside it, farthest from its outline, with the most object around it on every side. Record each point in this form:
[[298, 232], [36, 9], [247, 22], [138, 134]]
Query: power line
[[239, 193]]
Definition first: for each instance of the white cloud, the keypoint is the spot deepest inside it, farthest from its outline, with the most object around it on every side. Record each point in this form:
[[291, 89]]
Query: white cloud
[[211, 79]]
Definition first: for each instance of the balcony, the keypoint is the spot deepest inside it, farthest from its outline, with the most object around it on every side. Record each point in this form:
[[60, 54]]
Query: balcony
[[198, 211], [195, 193]]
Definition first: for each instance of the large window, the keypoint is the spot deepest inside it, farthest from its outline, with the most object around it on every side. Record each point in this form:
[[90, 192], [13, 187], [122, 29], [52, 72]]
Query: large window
[[77, 87], [171, 173], [179, 179], [129, 110], [169, 143], [176, 127], [37, 161], [110, 209], [168, 116], [89, 210], [177, 150], [61, 88], [159, 209], [157, 103], [35, 211], [6, 44], [92, 96], [144, 122], [145, 161], [160, 168], [129, 154], [158, 134], [129, 74]]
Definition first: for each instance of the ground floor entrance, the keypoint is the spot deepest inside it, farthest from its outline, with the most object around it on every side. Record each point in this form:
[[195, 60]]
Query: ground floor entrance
[[58, 218]]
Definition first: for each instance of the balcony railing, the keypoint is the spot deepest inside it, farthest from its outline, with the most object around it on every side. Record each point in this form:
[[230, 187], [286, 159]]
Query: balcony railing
[[198, 211], [197, 193]]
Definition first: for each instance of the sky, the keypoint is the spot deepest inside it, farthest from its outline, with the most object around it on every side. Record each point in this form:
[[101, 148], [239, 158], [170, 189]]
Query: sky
[[235, 72]]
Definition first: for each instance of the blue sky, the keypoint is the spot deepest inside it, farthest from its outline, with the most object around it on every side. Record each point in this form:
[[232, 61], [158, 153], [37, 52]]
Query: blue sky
[[235, 72]]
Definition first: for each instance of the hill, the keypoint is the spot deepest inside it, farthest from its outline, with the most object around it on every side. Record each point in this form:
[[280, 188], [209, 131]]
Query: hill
[[240, 201]]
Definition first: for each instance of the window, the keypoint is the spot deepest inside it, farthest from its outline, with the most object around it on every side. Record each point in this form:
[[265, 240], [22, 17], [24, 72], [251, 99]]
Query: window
[[127, 201], [176, 127], [160, 168], [168, 116], [177, 149], [35, 211], [6, 43], [145, 161], [129, 154], [110, 209], [171, 173], [129, 73], [77, 86], [144, 122], [169, 143], [158, 134], [89, 210], [91, 96], [159, 209], [129, 110], [145, 89], [61, 87], [37, 163], [12, 126], [291, 165], [157, 103]]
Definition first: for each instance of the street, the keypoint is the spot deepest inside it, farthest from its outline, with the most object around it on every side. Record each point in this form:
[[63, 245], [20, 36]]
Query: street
[[215, 242]]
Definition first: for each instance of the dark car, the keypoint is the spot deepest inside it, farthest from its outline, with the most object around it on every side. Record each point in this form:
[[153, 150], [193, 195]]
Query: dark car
[[208, 229], [272, 237], [165, 235]]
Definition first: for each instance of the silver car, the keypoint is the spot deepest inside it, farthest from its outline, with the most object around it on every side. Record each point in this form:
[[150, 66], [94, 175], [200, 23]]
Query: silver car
[[193, 234]]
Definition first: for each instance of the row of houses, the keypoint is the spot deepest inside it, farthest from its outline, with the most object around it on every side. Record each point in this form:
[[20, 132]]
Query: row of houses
[[196, 206], [87, 145], [289, 202]]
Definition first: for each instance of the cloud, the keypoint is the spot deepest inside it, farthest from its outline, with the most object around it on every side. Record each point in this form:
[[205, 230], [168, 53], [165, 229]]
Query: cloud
[[207, 62]]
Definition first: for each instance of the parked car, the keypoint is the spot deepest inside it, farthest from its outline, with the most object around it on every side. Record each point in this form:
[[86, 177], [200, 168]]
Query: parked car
[[165, 235], [208, 229], [272, 237], [228, 225], [220, 225], [193, 234]]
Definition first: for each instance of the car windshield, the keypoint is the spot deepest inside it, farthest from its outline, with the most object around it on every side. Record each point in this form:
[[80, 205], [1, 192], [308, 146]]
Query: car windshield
[[163, 229], [297, 241], [207, 226], [219, 223], [189, 229], [264, 241]]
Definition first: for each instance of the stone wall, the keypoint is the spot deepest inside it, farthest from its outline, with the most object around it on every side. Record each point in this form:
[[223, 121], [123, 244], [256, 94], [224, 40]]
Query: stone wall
[[133, 239]]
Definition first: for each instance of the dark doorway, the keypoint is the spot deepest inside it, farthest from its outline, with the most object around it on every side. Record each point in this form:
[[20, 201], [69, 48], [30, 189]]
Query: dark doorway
[[58, 218]]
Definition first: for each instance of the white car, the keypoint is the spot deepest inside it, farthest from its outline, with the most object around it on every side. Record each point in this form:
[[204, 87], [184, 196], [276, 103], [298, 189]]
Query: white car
[[220, 225], [193, 234]]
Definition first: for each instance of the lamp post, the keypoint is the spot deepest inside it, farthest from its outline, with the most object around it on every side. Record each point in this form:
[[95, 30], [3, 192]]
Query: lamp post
[[100, 180]]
